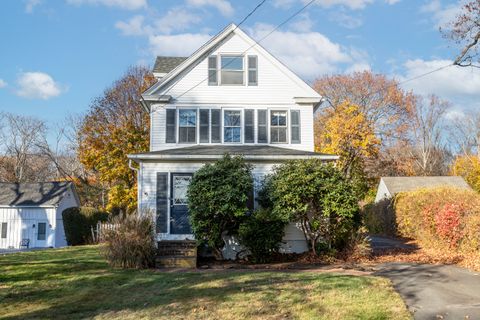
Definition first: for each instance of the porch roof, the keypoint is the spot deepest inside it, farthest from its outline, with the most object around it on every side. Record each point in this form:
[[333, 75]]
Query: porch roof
[[214, 152]]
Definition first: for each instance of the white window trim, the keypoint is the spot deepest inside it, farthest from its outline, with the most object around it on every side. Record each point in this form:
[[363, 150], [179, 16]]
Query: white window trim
[[269, 125], [241, 125], [219, 62]]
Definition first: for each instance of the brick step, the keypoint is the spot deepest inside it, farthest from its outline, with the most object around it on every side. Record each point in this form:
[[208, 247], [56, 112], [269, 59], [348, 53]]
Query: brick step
[[175, 262]]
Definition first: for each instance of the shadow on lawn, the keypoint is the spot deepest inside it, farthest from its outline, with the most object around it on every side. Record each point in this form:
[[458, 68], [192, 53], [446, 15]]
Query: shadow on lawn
[[98, 292]]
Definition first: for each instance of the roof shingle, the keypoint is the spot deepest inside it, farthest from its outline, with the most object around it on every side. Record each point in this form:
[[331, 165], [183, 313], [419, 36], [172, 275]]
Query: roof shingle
[[167, 64], [32, 194], [403, 184]]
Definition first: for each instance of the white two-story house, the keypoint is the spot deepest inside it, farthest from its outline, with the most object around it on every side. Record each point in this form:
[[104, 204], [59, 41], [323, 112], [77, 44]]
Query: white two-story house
[[233, 96]]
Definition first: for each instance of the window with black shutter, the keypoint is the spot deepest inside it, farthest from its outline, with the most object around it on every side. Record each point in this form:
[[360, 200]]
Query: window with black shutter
[[212, 71], [262, 126], [252, 71], [215, 129], [249, 125], [204, 125], [171, 128], [295, 126]]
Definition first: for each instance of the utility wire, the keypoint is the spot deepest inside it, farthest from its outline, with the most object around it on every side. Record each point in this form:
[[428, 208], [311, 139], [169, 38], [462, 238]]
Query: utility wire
[[256, 42]]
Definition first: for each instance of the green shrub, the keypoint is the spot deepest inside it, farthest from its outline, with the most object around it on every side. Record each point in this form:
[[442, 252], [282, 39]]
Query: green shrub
[[261, 233], [131, 241], [217, 200], [319, 197], [440, 218], [379, 218], [78, 222]]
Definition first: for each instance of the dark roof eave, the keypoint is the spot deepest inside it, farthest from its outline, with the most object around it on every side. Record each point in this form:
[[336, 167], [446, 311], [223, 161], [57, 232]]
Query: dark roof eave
[[146, 157]]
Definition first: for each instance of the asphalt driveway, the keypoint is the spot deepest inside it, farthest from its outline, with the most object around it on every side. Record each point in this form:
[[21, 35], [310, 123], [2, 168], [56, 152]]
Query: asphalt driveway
[[435, 291]]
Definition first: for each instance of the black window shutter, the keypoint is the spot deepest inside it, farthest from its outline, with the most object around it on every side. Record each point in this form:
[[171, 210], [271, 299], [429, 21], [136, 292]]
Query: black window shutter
[[216, 126], [249, 124], [212, 71], [162, 202], [295, 126], [171, 128], [262, 126], [204, 125]]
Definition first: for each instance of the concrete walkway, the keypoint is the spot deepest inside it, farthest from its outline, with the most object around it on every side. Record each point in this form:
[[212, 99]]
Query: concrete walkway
[[432, 291]]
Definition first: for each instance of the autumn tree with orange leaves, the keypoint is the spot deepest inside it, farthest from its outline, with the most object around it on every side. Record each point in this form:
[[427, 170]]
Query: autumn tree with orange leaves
[[385, 106], [116, 125]]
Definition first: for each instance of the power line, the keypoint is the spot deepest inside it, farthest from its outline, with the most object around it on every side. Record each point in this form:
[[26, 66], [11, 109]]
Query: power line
[[256, 42]]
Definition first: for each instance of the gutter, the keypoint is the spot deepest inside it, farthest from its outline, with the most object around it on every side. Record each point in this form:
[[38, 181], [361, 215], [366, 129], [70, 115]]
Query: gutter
[[142, 157]]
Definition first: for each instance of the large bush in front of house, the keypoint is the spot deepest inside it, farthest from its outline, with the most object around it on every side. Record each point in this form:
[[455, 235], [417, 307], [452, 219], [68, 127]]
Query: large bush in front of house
[[319, 197], [217, 200], [379, 217], [78, 224], [130, 242], [262, 233], [443, 218]]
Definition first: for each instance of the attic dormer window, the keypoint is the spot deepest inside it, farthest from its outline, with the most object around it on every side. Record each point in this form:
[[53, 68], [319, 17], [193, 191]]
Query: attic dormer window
[[232, 70]]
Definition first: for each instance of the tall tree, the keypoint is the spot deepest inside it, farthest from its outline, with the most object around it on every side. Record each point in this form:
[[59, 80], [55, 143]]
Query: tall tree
[[21, 160], [464, 30], [385, 105], [116, 125], [346, 132], [428, 149]]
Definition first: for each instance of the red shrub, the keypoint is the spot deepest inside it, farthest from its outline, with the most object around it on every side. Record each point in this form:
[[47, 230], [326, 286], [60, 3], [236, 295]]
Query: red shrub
[[448, 223]]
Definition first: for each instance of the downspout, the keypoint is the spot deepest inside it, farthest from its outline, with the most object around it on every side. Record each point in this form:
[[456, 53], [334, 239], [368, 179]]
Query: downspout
[[138, 183]]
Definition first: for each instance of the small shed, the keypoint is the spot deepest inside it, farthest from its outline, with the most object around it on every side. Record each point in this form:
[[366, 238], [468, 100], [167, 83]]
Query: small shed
[[31, 214], [389, 186]]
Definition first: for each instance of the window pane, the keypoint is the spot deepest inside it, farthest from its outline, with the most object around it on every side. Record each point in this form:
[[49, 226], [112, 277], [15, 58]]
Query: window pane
[[252, 77], [231, 118], [252, 62], [274, 135], [191, 134], [215, 134], [215, 130], [212, 62], [295, 135], [232, 134], [295, 117], [42, 231], [282, 119], [262, 134], [182, 134], [282, 135], [4, 230], [232, 77], [187, 118], [212, 76], [232, 63], [262, 126]]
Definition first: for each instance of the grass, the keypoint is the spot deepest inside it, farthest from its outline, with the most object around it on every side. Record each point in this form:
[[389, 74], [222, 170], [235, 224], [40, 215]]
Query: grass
[[77, 283]]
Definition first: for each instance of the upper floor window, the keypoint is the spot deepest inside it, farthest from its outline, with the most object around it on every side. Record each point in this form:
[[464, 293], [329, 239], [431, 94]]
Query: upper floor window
[[187, 126], [278, 127], [232, 71], [232, 126]]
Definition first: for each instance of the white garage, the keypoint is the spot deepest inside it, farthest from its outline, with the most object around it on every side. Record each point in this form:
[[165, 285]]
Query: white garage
[[31, 214]]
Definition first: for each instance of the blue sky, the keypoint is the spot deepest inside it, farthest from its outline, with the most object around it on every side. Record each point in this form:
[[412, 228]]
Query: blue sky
[[57, 55]]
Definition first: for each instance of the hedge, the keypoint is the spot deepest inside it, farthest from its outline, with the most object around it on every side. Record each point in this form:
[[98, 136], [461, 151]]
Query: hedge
[[440, 218], [77, 223]]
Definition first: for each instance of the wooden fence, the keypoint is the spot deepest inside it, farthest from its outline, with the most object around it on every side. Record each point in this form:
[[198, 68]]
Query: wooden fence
[[98, 232]]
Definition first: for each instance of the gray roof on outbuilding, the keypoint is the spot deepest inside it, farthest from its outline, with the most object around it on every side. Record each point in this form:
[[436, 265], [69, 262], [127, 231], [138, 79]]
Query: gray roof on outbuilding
[[216, 151], [33, 194], [167, 64], [403, 184]]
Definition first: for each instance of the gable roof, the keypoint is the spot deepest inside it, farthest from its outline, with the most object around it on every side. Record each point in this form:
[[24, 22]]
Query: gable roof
[[34, 194], [395, 185], [167, 64], [250, 152], [151, 93]]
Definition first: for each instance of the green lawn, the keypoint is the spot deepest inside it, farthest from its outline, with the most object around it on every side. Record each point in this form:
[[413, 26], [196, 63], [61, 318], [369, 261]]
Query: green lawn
[[77, 283]]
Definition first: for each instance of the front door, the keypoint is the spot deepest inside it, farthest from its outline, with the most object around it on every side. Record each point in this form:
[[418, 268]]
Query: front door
[[179, 220], [41, 234]]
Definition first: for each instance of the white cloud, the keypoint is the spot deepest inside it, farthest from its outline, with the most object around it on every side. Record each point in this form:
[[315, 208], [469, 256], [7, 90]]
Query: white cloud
[[3, 84], [351, 4], [283, 4], [123, 4], [346, 20], [177, 45], [303, 23], [309, 54], [391, 2], [223, 6], [133, 27], [30, 5], [37, 85], [441, 15], [458, 85], [176, 19]]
